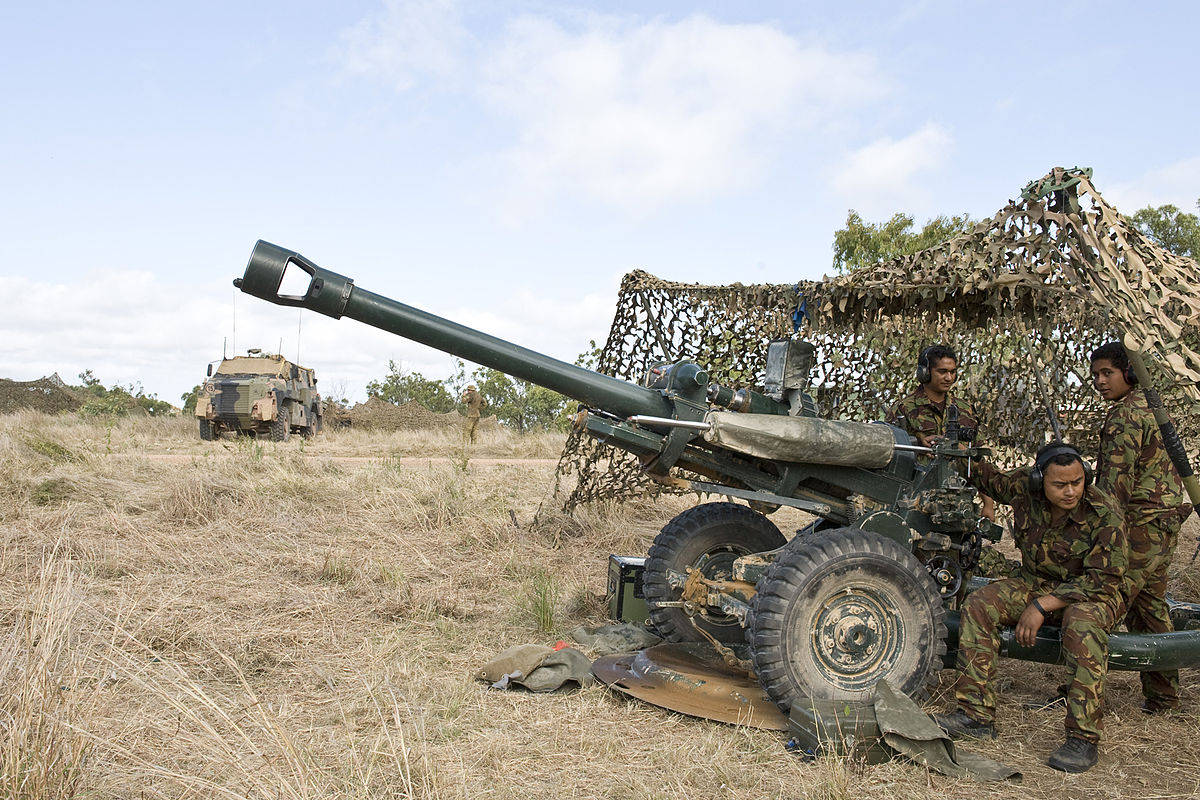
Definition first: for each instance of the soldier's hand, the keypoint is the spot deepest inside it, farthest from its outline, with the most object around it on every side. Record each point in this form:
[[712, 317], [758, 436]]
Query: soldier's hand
[[1027, 626]]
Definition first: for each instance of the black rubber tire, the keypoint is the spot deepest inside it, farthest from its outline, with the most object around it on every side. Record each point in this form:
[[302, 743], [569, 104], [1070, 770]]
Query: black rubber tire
[[314, 425], [280, 426], [709, 536], [874, 602], [207, 434]]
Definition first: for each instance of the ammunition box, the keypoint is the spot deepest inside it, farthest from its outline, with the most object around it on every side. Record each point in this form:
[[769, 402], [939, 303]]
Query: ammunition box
[[626, 601]]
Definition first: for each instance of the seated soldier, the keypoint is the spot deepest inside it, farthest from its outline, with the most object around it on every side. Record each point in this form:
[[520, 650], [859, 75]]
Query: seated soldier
[[923, 414], [1133, 466], [1073, 559]]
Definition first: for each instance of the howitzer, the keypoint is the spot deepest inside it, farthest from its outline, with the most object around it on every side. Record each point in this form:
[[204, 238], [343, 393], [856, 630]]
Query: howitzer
[[865, 592]]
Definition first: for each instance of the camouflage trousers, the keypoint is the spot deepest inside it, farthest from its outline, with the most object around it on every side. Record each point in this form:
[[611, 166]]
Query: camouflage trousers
[[1085, 628], [1151, 545], [469, 428]]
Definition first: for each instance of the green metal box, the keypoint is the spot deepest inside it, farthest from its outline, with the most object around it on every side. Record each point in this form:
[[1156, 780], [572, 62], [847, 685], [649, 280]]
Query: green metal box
[[626, 602], [838, 727]]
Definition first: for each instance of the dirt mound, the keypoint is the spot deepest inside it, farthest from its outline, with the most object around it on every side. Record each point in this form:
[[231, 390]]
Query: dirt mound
[[49, 395]]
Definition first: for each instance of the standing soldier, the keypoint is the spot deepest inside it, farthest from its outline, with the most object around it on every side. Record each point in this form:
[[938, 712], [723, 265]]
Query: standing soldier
[[1133, 466], [474, 401], [1073, 559], [923, 413]]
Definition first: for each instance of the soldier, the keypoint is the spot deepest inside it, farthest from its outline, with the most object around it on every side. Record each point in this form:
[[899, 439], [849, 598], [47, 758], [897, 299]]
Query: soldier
[[923, 413], [1074, 554], [1132, 465], [474, 401]]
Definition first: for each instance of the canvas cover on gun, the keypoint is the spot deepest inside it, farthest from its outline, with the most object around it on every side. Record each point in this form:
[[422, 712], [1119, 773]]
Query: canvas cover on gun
[[807, 439]]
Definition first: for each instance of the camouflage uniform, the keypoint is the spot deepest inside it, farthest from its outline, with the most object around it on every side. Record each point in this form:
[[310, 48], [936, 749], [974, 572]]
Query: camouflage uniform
[[1081, 560], [474, 401], [921, 417], [1133, 466]]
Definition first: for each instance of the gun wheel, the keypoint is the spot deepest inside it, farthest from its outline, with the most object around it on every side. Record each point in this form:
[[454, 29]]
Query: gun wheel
[[207, 432], [841, 611], [709, 537]]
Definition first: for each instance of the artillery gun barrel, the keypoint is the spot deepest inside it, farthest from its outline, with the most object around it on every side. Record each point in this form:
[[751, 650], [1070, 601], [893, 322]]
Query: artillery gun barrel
[[336, 296]]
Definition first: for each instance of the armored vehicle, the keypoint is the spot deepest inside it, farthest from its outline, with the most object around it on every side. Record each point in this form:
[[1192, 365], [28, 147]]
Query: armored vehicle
[[259, 393], [869, 590]]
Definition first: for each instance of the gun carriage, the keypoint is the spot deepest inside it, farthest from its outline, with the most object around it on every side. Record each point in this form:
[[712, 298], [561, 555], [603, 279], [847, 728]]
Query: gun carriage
[[867, 591]]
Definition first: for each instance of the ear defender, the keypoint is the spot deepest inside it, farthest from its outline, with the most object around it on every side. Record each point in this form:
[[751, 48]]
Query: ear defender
[[924, 375], [1130, 377], [1037, 475]]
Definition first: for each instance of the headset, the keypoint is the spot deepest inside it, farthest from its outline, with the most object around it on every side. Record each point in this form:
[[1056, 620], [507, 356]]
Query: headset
[[1130, 377], [924, 374], [1037, 475]]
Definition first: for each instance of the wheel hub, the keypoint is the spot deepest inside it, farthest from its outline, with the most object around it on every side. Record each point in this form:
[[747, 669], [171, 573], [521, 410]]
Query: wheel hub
[[856, 637], [717, 564]]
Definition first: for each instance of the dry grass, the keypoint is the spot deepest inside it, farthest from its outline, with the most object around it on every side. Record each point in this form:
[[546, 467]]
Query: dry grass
[[273, 622]]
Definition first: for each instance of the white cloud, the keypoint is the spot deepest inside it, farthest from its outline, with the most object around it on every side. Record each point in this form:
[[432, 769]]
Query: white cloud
[[621, 110], [130, 327], [880, 177], [405, 41], [639, 114], [1177, 184]]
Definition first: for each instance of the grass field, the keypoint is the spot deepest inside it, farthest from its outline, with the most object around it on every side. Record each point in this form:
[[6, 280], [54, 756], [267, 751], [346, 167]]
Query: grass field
[[300, 620]]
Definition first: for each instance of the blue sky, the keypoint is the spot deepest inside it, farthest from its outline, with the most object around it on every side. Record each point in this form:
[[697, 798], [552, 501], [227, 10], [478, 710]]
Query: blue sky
[[504, 163]]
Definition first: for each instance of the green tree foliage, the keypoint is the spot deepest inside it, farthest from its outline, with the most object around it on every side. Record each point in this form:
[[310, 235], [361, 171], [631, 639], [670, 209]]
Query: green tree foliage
[[400, 386], [863, 243], [589, 358], [118, 400], [1170, 228], [520, 404], [190, 397]]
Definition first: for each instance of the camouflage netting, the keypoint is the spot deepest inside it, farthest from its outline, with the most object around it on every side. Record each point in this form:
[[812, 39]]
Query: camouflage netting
[[377, 414], [1037, 287], [49, 395]]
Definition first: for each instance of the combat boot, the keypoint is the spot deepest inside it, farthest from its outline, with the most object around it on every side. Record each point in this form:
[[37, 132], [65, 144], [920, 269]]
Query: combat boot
[[1074, 755], [1155, 709], [958, 723]]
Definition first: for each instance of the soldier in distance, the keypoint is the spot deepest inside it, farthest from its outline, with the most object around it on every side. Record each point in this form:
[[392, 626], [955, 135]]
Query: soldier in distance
[[474, 401], [923, 414], [1133, 466], [1074, 556]]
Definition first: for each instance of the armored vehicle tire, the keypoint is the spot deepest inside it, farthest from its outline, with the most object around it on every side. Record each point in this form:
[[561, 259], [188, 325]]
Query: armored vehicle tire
[[207, 433], [837, 612], [709, 537], [314, 424], [281, 425]]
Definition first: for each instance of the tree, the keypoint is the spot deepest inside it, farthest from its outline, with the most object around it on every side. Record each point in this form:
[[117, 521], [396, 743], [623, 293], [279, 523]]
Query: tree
[[520, 404], [189, 399], [1170, 228], [862, 243], [589, 358], [117, 400], [400, 387]]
